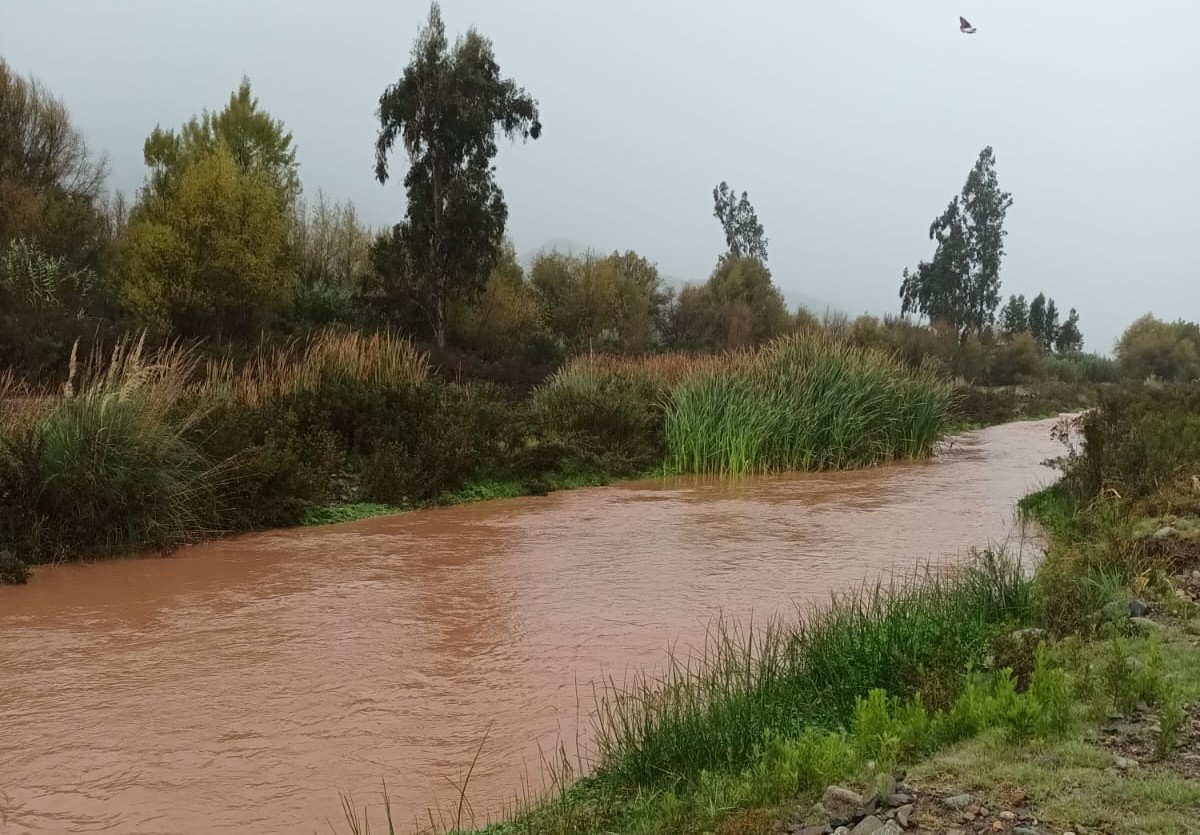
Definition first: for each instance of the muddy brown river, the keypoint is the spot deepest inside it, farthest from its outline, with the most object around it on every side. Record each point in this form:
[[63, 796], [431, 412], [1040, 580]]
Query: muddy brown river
[[239, 686]]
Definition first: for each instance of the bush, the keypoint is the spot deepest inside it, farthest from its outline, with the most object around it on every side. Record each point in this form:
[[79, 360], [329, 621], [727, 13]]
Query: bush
[[1139, 441], [13, 570], [1163, 350], [612, 415], [104, 471]]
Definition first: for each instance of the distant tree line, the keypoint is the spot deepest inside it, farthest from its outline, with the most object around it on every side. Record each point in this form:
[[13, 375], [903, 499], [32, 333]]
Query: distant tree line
[[222, 243]]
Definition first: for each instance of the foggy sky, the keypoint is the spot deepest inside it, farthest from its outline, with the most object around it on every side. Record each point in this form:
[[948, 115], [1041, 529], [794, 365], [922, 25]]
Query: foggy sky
[[851, 125]]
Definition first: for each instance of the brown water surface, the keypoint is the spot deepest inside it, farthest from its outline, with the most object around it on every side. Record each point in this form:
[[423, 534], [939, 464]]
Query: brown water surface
[[236, 687]]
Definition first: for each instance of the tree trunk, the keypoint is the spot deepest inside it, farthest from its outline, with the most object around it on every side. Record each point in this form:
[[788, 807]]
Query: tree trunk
[[439, 321]]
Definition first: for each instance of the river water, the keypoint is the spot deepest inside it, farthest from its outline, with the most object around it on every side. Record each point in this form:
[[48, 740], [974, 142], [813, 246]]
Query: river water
[[240, 686]]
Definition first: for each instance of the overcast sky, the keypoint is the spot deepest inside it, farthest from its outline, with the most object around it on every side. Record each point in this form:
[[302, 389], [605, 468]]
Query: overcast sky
[[851, 125]]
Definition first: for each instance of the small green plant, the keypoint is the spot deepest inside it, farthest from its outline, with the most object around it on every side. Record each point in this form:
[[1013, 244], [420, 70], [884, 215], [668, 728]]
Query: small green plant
[[1171, 715], [1051, 688]]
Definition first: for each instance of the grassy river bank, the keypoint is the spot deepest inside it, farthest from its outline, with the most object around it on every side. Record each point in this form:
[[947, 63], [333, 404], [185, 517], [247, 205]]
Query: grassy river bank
[[982, 700]]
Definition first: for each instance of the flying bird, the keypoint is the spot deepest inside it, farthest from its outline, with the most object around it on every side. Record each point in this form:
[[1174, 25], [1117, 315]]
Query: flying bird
[[965, 27]]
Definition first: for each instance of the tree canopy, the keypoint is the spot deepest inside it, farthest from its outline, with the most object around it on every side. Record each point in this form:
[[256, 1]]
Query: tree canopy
[[961, 285], [257, 143], [743, 232], [446, 111], [207, 246]]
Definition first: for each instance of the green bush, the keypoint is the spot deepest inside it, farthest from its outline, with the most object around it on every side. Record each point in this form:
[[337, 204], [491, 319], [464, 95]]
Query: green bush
[[608, 415], [1139, 441], [101, 473]]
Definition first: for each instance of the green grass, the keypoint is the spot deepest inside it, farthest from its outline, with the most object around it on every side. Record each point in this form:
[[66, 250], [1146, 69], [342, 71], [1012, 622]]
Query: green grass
[[336, 513], [916, 635], [804, 403]]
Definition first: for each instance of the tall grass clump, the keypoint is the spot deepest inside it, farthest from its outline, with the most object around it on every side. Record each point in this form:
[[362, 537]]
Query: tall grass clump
[[107, 466], [913, 637], [806, 402]]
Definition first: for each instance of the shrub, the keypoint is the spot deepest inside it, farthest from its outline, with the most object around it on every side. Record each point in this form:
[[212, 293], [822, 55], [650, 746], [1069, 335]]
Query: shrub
[[1164, 350], [1139, 441], [104, 471], [611, 413]]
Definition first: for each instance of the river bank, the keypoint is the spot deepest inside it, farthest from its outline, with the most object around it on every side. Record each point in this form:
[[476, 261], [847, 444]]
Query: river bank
[[1087, 671], [269, 671]]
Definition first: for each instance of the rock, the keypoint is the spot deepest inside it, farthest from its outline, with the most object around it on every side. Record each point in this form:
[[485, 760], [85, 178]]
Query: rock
[[972, 811], [1031, 634], [1018, 798], [1138, 609], [1125, 763], [903, 814], [958, 801], [1163, 532], [997, 826], [842, 830], [841, 802], [1008, 816], [813, 830], [1025, 830], [890, 828], [898, 799], [1146, 623], [867, 826]]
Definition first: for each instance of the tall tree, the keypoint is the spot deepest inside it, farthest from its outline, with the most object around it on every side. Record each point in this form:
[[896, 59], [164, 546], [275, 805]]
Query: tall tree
[[1069, 339], [1014, 316], [1043, 322], [1037, 317], [743, 233], [961, 285], [446, 111]]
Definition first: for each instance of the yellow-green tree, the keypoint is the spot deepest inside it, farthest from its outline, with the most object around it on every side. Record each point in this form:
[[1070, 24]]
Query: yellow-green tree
[[501, 319], [209, 254], [610, 304], [206, 250]]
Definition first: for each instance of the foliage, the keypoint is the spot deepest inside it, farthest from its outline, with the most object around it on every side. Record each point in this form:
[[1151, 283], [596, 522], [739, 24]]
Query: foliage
[[51, 186], [103, 471], [1138, 442], [1069, 339], [331, 249], [1017, 360], [961, 285], [1014, 316], [1164, 350], [506, 316], [739, 306], [45, 304], [446, 110], [259, 145], [603, 304], [610, 414], [743, 233], [209, 254]]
